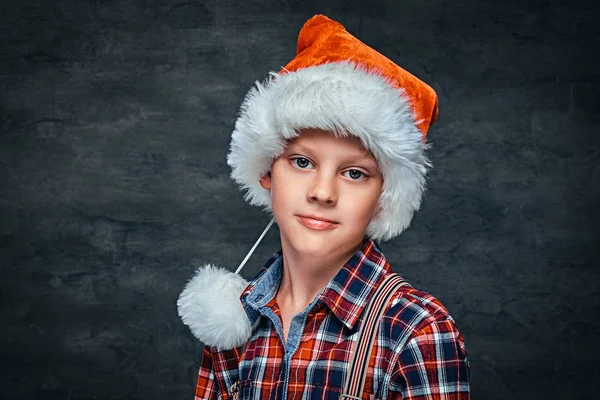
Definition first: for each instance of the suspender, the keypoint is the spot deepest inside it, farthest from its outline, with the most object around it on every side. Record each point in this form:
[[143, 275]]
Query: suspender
[[359, 363]]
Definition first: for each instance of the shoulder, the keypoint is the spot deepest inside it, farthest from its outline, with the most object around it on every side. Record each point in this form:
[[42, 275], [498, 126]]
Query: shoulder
[[423, 345], [412, 312]]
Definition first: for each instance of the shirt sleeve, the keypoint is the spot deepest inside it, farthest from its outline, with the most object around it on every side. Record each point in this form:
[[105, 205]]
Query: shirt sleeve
[[433, 365], [206, 386]]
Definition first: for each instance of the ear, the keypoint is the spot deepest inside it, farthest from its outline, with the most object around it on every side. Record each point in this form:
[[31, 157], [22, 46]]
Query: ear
[[265, 181]]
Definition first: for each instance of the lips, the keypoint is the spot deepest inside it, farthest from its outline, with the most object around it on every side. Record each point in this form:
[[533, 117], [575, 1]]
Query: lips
[[316, 223]]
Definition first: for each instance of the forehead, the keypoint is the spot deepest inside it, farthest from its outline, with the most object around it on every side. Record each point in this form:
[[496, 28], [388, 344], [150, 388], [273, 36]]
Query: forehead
[[344, 143]]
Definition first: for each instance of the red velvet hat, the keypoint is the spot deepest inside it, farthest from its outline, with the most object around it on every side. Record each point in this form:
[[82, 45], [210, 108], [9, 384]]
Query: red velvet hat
[[339, 84]]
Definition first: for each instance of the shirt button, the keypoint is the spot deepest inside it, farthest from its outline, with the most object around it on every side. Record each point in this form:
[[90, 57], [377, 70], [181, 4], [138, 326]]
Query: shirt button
[[258, 297]]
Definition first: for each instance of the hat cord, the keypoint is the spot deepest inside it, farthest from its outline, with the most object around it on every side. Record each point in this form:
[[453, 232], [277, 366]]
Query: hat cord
[[262, 235]]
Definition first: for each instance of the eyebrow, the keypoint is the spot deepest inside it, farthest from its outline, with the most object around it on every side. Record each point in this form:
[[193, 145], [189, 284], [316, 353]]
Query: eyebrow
[[300, 148]]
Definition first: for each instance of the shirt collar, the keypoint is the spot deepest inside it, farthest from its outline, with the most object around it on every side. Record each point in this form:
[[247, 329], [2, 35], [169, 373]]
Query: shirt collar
[[346, 295], [349, 292]]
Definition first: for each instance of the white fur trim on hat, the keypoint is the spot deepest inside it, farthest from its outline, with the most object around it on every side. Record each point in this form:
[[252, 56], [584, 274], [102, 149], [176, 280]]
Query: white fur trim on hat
[[344, 98], [210, 306]]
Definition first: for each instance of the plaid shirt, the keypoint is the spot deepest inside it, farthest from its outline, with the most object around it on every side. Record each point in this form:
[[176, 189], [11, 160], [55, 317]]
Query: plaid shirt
[[418, 353]]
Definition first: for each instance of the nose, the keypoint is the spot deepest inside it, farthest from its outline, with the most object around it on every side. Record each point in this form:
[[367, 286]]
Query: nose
[[323, 189]]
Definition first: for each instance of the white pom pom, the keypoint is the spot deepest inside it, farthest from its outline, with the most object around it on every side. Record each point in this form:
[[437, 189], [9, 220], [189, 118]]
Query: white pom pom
[[210, 306]]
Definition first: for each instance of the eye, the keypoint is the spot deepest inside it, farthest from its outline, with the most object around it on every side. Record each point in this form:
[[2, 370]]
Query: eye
[[301, 162], [355, 174]]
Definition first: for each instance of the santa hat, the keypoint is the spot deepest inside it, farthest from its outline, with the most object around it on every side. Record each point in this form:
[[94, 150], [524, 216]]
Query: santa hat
[[335, 83]]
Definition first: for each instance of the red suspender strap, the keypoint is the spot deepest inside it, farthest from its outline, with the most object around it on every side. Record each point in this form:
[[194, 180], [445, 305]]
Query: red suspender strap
[[359, 362]]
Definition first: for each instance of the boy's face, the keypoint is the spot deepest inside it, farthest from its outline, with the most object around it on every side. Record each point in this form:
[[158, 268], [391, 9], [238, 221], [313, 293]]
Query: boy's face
[[324, 192]]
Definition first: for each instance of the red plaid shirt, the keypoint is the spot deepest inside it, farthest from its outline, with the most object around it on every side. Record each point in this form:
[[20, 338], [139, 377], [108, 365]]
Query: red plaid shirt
[[418, 354]]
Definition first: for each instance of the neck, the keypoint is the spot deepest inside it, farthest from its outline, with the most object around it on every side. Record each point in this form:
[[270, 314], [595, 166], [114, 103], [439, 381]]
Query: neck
[[304, 276]]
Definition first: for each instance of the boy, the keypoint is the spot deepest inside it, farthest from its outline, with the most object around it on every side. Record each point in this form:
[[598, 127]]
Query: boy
[[334, 147]]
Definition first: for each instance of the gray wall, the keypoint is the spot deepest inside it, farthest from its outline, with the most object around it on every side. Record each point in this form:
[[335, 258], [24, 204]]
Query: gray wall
[[114, 126]]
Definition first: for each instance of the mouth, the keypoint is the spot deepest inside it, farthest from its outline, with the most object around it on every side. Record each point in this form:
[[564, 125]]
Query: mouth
[[316, 223]]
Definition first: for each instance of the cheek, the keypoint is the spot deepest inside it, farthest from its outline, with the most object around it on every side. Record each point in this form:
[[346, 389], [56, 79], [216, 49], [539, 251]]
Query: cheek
[[366, 206], [283, 195]]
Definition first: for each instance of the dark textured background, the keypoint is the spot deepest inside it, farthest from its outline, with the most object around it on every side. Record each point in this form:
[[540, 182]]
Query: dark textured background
[[115, 119]]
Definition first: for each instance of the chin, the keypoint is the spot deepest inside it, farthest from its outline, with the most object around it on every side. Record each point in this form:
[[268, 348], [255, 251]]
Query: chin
[[316, 248], [322, 244]]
